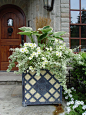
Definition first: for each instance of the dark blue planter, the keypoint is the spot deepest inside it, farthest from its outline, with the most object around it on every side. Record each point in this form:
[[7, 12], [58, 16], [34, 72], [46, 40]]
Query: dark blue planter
[[43, 89]]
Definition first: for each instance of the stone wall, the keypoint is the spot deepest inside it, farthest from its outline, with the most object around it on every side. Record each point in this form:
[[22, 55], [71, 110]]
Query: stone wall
[[59, 15]]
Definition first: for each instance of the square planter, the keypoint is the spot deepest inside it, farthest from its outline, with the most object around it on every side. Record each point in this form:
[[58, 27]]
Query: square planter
[[43, 89]]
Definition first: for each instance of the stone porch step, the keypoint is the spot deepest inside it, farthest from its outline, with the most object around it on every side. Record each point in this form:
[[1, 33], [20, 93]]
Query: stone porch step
[[10, 78]]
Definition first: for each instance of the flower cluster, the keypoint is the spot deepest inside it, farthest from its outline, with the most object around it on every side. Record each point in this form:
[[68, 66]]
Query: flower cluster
[[54, 55], [74, 105]]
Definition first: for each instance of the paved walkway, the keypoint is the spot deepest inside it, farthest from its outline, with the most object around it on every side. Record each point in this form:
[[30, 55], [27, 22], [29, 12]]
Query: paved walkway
[[11, 99]]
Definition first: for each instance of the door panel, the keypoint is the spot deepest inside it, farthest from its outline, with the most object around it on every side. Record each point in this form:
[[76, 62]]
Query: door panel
[[11, 19]]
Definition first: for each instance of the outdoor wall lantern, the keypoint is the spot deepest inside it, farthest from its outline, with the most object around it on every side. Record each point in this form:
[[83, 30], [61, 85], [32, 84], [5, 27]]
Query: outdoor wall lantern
[[48, 4]]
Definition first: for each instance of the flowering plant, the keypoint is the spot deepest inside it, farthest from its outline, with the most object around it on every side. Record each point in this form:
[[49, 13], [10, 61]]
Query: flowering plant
[[74, 104], [52, 54]]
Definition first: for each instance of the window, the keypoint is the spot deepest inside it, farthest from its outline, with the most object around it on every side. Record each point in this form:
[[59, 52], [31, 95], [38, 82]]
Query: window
[[78, 24], [10, 22]]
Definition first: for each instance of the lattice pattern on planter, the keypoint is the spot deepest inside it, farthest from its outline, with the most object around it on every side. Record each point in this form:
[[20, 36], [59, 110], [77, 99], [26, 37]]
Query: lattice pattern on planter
[[43, 89]]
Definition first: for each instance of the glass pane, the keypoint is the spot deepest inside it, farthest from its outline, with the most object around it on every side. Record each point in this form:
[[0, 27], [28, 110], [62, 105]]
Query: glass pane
[[83, 45], [10, 22], [75, 17], [83, 16], [75, 44], [83, 31], [83, 4], [74, 31], [74, 4], [49, 3]]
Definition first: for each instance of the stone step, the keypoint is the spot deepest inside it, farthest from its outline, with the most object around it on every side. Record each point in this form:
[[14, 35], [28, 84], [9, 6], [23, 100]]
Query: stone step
[[10, 78]]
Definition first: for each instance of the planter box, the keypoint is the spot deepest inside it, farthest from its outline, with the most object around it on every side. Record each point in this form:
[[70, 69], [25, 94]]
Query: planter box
[[43, 89]]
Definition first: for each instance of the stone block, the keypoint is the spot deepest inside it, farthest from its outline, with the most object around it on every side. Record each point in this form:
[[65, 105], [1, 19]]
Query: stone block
[[64, 1], [64, 10], [65, 15]]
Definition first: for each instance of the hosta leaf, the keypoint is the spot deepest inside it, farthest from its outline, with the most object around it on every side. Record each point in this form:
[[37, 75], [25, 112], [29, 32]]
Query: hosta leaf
[[25, 28], [58, 34], [25, 33]]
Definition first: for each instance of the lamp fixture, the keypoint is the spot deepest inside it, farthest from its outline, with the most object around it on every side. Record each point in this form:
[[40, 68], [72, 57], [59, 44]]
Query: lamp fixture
[[48, 4]]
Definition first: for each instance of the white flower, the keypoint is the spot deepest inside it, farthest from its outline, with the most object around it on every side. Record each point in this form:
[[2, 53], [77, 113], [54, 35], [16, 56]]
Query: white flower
[[60, 47], [33, 54], [30, 57], [39, 52], [47, 49], [50, 48], [68, 109], [70, 95], [61, 42], [72, 99], [38, 48], [22, 50], [25, 44], [43, 58], [68, 103], [72, 88], [84, 113], [31, 68], [75, 106], [84, 107], [34, 45], [66, 97], [81, 102], [57, 53], [72, 102], [56, 40]]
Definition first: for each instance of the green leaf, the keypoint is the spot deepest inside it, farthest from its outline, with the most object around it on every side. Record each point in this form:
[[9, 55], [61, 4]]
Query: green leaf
[[36, 33], [58, 34], [25, 28], [45, 29], [42, 36], [28, 33], [51, 38]]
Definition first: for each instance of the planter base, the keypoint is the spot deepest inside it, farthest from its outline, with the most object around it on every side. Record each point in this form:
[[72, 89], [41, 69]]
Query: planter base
[[43, 89]]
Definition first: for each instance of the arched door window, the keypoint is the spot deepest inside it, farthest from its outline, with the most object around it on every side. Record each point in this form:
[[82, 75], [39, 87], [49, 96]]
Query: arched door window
[[10, 22]]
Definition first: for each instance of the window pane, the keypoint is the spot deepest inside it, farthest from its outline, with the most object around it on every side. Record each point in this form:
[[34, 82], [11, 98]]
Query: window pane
[[75, 44], [83, 4], [75, 17], [74, 4], [83, 31], [10, 22], [83, 16], [74, 31], [83, 45]]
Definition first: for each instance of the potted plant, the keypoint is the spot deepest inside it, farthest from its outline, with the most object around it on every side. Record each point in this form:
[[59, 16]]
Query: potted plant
[[41, 62]]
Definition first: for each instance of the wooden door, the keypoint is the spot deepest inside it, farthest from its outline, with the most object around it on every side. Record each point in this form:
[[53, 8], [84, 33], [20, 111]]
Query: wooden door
[[11, 18]]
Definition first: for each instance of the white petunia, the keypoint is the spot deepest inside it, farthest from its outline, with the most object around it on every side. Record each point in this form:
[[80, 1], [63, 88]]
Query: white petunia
[[81, 102], [66, 97], [72, 99], [75, 106], [68, 109], [70, 95], [72, 88], [84, 113], [47, 49], [84, 107]]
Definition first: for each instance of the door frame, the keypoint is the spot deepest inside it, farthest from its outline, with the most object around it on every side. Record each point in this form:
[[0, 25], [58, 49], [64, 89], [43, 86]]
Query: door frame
[[24, 20]]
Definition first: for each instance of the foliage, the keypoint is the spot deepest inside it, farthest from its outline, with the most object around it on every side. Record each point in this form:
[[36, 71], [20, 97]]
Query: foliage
[[53, 55], [79, 75], [74, 105]]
